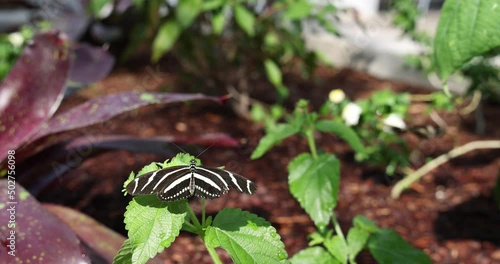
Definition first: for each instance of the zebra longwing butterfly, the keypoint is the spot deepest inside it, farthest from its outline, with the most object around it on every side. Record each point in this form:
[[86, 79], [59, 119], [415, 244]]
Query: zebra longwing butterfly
[[182, 182]]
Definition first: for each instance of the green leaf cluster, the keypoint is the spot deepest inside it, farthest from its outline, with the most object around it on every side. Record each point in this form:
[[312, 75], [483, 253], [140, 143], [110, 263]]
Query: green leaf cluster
[[385, 245], [153, 226], [217, 36], [314, 182]]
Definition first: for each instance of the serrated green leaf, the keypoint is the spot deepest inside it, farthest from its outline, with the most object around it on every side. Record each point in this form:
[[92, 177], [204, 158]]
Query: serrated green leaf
[[465, 29], [152, 225], [387, 246], [313, 255], [298, 10], [187, 11], [343, 131], [124, 255], [315, 184], [218, 21], [247, 237], [274, 136], [356, 241], [273, 72], [245, 19], [338, 248], [168, 34]]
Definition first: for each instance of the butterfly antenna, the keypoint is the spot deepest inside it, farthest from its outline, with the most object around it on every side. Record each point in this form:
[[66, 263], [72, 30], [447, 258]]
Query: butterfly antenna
[[206, 149], [178, 147]]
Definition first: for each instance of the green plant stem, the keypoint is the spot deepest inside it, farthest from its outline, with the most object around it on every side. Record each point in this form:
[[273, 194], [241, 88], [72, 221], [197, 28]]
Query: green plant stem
[[192, 228], [195, 221], [337, 228], [339, 232], [213, 254], [203, 212], [311, 142]]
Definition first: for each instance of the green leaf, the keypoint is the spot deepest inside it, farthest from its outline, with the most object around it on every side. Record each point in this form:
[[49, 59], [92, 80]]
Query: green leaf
[[210, 5], [365, 223], [273, 72], [356, 241], [245, 19], [466, 29], [315, 184], [298, 10], [313, 255], [343, 131], [152, 226], [274, 136], [247, 237], [338, 248], [387, 246], [167, 35], [187, 11], [218, 21], [124, 255]]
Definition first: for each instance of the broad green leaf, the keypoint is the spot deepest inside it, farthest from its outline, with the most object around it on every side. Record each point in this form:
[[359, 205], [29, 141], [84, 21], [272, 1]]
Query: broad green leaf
[[343, 131], [167, 35], [124, 255], [298, 10], [273, 137], [313, 255], [152, 226], [466, 29], [187, 11], [273, 72], [315, 184], [338, 248], [245, 19], [365, 223], [247, 237], [387, 246], [209, 5], [218, 21], [356, 241]]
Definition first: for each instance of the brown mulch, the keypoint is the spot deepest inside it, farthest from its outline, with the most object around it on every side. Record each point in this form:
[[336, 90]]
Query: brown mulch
[[450, 213]]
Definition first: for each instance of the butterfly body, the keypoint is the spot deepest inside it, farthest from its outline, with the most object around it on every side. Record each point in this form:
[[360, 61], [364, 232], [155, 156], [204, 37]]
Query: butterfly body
[[182, 182]]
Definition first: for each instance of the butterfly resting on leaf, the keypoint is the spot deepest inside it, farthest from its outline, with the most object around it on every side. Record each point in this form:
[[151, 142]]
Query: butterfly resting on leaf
[[182, 182]]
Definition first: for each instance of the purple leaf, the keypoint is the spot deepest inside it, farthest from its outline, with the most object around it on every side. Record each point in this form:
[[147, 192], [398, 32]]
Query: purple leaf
[[102, 240], [41, 169], [38, 236], [33, 89], [102, 108], [90, 64]]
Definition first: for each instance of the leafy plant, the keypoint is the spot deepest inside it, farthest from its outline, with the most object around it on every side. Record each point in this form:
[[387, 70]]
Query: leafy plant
[[153, 226], [225, 43], [465, 42], [314, 181], [27, 129]]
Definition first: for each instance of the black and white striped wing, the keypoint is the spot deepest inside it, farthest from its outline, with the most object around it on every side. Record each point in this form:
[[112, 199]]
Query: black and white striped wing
[[156, 181], [237, 182]]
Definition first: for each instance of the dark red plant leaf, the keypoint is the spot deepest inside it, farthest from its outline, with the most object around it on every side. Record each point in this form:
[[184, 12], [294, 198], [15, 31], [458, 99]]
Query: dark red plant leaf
[[102, 108], [33, 89], [39, 236], [101, 239], [104, 241], [43, 168], [90, 64]]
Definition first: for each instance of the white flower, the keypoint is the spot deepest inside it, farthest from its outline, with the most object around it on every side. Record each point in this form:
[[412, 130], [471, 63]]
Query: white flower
[[16, 39], [336, 96], [394, 121], [351, 114]]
